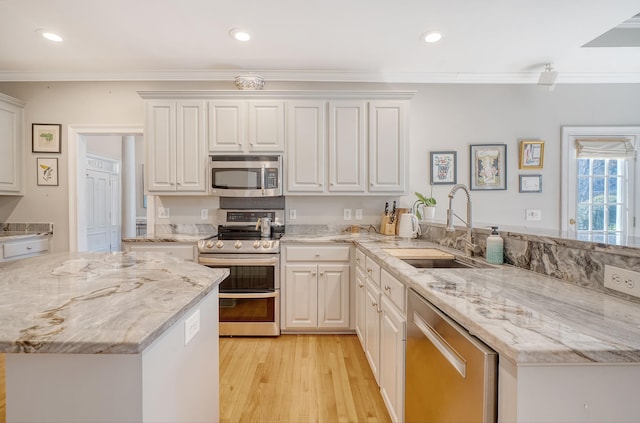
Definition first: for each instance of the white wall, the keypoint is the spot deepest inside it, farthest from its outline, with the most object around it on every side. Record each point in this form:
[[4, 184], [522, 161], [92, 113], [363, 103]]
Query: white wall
[[443, 117]]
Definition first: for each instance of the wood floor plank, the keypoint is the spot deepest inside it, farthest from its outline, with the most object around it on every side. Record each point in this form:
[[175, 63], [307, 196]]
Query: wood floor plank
[[297, 378]]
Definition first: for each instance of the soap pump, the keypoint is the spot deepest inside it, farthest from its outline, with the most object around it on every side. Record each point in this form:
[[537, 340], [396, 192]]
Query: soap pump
[[495, 247]]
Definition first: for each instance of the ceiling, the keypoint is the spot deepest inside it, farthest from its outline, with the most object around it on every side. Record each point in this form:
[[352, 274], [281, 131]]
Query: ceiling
[[490, 41]]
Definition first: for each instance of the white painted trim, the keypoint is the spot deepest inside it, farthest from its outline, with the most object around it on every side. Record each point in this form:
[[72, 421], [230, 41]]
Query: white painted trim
[[328, 76], [568, 161], [78, 149], [277, 94]]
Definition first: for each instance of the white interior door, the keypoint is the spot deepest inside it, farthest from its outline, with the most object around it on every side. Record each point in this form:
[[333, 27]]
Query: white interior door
[[103, 204]]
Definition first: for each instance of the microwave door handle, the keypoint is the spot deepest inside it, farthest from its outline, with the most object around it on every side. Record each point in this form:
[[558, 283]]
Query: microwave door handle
[[263, 175]]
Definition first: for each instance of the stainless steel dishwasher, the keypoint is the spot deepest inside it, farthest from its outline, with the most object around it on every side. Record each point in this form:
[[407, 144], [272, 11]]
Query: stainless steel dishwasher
[[451, 376]]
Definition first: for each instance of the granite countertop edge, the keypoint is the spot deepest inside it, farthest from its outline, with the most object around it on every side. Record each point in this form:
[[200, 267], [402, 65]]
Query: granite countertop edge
[[504, 306]]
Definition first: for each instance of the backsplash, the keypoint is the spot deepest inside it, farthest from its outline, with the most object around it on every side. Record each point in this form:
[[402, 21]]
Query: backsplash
[[578, 262], [27, 227]]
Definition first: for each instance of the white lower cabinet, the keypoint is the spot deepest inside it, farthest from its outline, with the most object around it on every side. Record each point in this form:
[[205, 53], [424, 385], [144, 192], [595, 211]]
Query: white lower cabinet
[[381, 315], [316, 287], [24, 247]]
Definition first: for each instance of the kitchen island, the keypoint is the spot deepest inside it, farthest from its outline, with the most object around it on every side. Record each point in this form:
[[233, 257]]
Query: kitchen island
[[116, 337]]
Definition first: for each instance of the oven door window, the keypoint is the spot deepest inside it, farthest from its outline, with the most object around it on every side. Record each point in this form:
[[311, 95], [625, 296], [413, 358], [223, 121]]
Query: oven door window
[[249, 279], [236, 178], [247, 309]]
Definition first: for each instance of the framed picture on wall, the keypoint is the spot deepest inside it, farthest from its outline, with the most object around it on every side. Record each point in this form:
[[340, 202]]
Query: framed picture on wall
[[47, 171], [443, 167], [531, 154], [488, 167], [530, 183], [45, 138]]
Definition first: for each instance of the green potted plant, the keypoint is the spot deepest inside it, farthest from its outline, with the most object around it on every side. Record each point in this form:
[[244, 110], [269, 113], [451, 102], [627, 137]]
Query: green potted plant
[[428, 204]]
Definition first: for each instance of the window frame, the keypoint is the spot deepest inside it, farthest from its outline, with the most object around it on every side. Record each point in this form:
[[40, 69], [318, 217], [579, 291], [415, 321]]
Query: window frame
[[568, 191]]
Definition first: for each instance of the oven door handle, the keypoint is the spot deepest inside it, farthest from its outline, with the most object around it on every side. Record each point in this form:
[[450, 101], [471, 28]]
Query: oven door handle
[[238, 262], [263, 175], [255, 295]]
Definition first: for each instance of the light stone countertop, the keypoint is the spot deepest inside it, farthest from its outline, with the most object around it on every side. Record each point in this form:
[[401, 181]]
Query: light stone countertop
[[526, 317], [17, 235], [116, 303]]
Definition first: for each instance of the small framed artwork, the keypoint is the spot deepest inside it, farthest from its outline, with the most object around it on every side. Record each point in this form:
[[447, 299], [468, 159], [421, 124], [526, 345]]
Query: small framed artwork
[[488, 167], [530, 183], [47, 171], [46, 138], [443, 167], [531, 154]]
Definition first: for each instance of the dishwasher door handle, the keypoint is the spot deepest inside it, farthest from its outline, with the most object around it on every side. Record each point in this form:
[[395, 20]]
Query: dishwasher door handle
[[447, 352]]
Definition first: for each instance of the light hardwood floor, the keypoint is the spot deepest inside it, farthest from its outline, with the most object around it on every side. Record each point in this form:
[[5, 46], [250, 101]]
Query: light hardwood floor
[[291, 378], [297, 378]]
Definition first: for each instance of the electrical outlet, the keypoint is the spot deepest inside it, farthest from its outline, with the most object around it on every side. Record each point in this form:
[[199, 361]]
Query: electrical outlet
[[292, 214], [163, 212], [533, 214], [358, 214], [622, 280], [191, 326], [347, 214], [204, 214]]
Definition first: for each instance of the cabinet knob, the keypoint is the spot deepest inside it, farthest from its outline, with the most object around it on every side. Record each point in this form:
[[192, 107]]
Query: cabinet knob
[[29, 248], [379, 310], [368, 270], [374, 304], [313, 273], [317, 254], [387, 288], [360, 284], [321, 273]]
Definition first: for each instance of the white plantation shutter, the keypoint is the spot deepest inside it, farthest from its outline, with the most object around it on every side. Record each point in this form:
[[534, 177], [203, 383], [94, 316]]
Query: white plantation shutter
[[600, 148]]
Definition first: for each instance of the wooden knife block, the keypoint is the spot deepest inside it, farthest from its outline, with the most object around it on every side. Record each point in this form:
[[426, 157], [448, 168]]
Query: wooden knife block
[[386, 227]]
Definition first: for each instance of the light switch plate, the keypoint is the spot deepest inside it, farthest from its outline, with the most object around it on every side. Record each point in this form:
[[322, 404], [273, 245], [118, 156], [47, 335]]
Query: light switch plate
[[347, 214], [358, 214], [204, 214], [533, 214], [191, 326], [293, 215]]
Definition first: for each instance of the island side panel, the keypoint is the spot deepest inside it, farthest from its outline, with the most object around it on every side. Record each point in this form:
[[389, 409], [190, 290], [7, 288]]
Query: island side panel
[[168, 382], [181, 382]]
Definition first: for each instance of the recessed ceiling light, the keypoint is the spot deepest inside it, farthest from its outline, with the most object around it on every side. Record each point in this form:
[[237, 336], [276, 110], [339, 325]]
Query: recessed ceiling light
[[51, 36], [431, 37], [239, 34]]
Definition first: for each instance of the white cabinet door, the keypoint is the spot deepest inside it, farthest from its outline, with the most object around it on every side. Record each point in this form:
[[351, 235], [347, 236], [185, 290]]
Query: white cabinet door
[[176, 149], [11, 159], [227, 121], [266, 125], [191, 154], [372, 328], [301, 298], [306, 146], [392, 359], [161, 145], [333, 296], [387, 145], [361, 305], [347, 148]]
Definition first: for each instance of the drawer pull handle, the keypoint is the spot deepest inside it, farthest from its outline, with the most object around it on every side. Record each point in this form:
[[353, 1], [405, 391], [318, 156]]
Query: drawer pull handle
[[374, 304], [29, 248], [317, 254], [387, 288]]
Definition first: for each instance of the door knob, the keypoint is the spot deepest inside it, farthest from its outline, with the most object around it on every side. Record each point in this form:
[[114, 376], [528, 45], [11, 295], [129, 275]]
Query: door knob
[[572, 221]]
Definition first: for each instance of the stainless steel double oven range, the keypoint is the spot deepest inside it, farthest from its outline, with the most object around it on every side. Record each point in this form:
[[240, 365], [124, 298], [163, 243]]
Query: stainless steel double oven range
[[250, 296]]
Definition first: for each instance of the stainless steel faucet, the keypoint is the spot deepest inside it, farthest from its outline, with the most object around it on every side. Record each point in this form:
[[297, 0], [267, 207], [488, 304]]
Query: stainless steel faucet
[[469, 246]]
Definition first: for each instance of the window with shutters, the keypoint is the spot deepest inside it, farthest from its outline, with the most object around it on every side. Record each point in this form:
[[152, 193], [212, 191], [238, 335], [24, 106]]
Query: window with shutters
[[599, 179]]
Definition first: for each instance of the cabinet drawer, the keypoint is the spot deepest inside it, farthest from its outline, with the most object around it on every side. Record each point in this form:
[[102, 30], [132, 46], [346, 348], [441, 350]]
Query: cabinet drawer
[[373, 270], [360, 259], [310, 253], [184, 252], [23, 248], [393, 289]]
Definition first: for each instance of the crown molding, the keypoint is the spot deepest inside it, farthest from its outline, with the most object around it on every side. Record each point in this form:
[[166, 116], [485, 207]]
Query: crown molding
[[326, 76]]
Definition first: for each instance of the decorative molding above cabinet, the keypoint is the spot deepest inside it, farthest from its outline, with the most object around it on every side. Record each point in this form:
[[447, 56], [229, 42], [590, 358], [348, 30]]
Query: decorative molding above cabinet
[[11, 145], [334, 142]]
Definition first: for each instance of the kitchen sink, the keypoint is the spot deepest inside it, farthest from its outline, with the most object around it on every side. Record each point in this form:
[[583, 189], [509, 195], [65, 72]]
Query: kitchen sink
[[438, 263]]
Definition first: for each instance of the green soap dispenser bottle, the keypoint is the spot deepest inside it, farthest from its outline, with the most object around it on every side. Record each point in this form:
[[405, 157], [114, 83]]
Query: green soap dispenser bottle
[[495, 247]]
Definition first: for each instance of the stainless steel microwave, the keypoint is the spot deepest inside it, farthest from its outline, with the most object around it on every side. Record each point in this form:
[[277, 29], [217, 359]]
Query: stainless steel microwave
[[246, 176]]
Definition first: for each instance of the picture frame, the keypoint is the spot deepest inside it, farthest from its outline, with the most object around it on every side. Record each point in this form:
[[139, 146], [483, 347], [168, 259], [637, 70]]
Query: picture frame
[[488, 166], [444, 167], [45, 138], [530, 183], [531, 154], [47, 171]]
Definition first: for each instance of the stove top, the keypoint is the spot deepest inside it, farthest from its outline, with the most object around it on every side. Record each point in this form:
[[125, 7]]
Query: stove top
[[238, 234]]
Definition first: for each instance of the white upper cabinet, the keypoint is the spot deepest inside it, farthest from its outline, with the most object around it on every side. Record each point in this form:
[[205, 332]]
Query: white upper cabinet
[[306, 146], [347, 148], [11, 156], [176, 149], [246, 126], [387, 145]]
